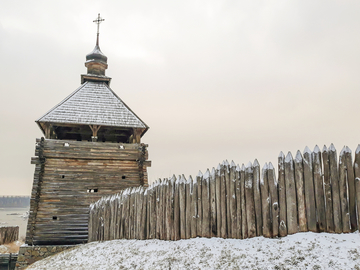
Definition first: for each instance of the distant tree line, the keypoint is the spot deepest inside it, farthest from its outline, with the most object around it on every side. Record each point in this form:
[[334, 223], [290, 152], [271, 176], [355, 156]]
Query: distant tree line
[[14, 201]]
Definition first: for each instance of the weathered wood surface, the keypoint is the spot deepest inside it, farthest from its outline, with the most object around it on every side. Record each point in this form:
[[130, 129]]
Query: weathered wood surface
[[250, 205], [232, 194], [327, 190], [344, 200], [309, 191], [319, 189], [351, 188], [9, 234], [334, 179], [265, 202], [257, 197], [291, 208], [69, 176], [357, 181], [273, 189], [171, 207], [282, 195], [244, 224], [300, 193]]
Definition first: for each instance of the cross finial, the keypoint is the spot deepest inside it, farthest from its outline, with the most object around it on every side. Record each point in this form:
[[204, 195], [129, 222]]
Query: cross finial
[[98, 21]]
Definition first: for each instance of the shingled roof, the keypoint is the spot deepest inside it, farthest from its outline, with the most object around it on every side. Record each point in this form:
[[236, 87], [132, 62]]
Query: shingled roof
[[93, 103]]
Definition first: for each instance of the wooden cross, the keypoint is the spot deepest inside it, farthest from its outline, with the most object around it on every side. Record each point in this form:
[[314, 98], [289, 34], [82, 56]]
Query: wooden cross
[[98, 20]]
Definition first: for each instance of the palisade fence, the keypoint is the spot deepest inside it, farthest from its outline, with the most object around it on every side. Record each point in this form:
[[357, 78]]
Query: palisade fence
[[313, 192]]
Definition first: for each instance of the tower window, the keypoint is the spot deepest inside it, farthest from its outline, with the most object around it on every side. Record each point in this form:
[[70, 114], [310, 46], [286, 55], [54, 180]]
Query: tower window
[[66, 144], [92, 190], [55, 218], [123, 177], [121, 147], [63, 176]]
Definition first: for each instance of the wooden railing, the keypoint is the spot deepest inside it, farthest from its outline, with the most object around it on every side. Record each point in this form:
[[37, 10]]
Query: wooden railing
[[313, 192]]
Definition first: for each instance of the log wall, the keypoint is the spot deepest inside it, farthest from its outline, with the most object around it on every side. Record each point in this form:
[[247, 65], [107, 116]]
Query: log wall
[[316, 191], [69, 175]]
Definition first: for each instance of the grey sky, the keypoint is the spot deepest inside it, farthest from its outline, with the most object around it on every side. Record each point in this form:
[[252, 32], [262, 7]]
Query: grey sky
[[214, 80]]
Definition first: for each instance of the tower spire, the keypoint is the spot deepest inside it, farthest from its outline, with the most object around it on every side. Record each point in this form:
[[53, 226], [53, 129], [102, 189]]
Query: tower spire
[[98, 20]]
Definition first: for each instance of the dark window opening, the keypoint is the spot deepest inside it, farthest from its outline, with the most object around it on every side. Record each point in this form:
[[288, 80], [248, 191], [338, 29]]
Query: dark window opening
[[63, 176], [123, 177], [55, 218]]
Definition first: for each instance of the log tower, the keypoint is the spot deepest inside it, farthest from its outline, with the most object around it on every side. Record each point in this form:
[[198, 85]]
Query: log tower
[[92, 147]]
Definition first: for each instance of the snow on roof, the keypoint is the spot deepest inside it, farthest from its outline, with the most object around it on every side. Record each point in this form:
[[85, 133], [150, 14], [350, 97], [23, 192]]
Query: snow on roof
[[93, 103]]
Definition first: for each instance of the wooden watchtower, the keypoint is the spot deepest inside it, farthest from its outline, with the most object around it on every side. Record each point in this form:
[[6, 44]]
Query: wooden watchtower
[[92, 147]]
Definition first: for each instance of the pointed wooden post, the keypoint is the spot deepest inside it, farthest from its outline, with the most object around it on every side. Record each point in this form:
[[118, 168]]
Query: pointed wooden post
[[357, 181], [309, 191], [199, 178], [206, 204], [343, 192], [176, 210], [282, 196], [327, 191], [265, 202], [257, 197], [273, 188], [238, 203], [291, 212], [218, 201], [299, 180], [244, 224], [193, 207], [334, 179], [228, 213], [233, 199], [351, 186], [223, 228], [182, 205], [319, 189], [188, 208], [250, 205], [213, 227]]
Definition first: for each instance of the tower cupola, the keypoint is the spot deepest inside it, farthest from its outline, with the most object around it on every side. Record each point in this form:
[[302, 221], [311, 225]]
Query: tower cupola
[[96, 61]]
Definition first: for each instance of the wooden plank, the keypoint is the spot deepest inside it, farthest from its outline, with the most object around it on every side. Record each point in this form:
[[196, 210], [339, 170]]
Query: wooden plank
[[199, 204], [188, 209], [265, 202], [257, 197], [343, 192], [218, 200], [244, 226], [227, 185], [357, 182], [282, 196], [176, 210], [250, 205], [319, 189], [273, 190], [143, 217], [193, 207], [182, 205], [238, 202], [206, 205], [334, 179], [291, 211], [309, 191], [233, 200], [351, 188], [223, 227], [300, 192], [213, 225], [327, 191]]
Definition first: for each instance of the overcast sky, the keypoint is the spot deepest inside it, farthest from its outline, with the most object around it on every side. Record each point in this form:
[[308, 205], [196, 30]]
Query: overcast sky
[[214, 80]]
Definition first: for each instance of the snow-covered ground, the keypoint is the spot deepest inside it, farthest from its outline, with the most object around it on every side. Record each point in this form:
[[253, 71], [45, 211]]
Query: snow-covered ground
[[299, 251]]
